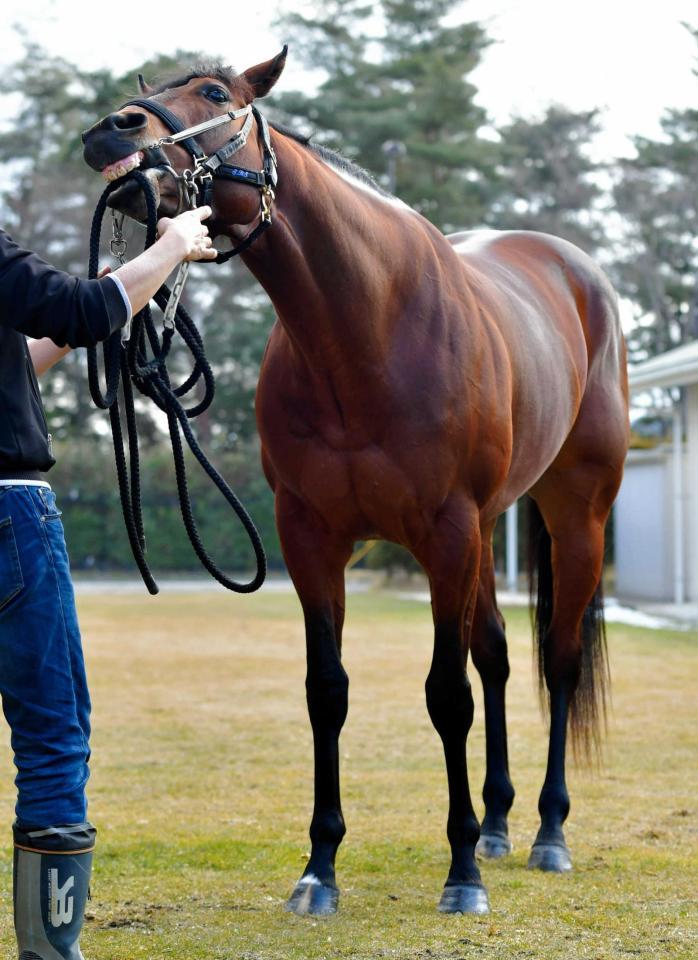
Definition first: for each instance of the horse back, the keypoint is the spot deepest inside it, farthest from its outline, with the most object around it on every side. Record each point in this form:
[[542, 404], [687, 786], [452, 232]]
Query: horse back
[[556, 287]]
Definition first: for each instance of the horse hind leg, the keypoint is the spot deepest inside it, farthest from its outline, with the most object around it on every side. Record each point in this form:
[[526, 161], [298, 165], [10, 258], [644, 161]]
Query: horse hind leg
[[488, 646], [571, 647]]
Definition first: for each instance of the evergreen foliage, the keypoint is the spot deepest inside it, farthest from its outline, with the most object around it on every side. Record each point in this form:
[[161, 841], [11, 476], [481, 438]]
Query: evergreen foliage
[[397, 96], [657, 262], [397, 73], [548, 180]]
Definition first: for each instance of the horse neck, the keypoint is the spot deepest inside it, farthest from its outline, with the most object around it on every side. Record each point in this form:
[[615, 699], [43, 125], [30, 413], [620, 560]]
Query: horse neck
[[331, 260]]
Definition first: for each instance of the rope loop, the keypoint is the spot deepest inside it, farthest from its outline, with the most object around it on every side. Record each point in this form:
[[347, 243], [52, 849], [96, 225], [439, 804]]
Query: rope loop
[[128, 366]]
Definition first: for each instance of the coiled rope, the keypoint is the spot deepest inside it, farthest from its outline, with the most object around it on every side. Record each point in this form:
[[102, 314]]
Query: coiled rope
[[130, 365]]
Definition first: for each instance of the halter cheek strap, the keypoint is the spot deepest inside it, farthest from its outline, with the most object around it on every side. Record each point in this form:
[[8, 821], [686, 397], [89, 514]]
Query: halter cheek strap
[[198, 182]]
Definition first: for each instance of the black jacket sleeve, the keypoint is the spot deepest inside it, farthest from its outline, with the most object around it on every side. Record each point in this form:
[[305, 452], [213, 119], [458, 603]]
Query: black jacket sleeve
[[40, 301]]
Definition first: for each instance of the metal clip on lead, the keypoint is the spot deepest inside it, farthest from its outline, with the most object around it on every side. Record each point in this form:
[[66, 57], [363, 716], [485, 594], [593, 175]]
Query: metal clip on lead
[[175, 296], [118, 246]]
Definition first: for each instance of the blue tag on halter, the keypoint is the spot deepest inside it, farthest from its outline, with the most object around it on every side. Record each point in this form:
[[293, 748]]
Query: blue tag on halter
[[244, 174]]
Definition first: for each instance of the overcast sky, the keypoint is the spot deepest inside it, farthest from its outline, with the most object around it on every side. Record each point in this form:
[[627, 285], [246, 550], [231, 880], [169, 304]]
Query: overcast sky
[[633, 60]]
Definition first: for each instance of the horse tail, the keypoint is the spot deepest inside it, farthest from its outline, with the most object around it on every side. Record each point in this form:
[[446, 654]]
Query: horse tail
[[587, 716], [540, 586]]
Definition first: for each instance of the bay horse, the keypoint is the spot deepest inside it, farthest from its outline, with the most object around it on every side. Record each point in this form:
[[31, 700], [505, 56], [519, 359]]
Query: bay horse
[[414, 386]]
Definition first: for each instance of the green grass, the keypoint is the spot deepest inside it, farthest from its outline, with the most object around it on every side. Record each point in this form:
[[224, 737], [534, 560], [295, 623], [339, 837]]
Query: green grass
[[202, 793]]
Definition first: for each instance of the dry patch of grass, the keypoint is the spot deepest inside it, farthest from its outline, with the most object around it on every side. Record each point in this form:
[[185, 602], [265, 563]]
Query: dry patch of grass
[[202, 793]]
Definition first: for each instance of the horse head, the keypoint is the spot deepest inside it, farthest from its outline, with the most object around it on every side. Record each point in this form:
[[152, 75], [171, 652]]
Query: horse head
[[137, 135]]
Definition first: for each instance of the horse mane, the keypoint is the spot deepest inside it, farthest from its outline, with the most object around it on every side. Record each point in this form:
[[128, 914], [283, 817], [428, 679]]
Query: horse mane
[[331, 157], [213, 69], [228, 75]]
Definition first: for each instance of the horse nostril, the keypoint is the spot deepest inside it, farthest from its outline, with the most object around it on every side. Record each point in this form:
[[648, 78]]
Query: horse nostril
[[125, 121]]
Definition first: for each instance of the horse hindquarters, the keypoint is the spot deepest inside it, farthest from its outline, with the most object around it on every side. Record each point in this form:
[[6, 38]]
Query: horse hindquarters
[[573, 499]]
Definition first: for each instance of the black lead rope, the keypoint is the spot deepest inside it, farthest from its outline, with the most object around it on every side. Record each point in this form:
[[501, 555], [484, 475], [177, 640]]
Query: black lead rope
[[142, 364]]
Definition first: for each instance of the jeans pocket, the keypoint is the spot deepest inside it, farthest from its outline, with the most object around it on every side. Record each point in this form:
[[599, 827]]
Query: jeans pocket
[[48, 498], [11, 579]]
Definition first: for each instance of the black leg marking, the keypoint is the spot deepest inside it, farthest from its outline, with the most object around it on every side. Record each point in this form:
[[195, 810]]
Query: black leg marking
[[498, 791], [450, 705], [489, 649], [549, 851], [327, 687]]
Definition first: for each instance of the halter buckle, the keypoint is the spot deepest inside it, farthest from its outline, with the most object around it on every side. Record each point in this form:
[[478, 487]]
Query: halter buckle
[[201, 171], [267, 200], [189, 186], [194, 179]]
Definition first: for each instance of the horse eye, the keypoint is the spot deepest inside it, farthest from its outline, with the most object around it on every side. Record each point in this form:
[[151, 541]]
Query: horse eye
[[217, 95]]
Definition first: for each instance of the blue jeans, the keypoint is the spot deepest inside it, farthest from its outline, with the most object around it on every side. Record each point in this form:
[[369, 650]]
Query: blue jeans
[[42, 671]]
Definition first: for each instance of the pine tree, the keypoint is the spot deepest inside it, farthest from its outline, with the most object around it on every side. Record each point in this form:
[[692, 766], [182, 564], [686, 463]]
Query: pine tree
[[548, 179], [657, 266], [657, 261], [397, 81]]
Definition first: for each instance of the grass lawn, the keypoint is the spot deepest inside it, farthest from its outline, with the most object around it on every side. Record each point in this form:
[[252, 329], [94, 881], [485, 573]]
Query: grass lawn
[[202, 793]]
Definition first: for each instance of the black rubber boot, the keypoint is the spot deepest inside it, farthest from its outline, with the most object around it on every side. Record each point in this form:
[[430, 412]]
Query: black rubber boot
[[51, 883]]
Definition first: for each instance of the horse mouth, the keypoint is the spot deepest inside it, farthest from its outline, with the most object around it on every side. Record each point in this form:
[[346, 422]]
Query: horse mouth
[[127, 197], [122, 167], [144, 158]]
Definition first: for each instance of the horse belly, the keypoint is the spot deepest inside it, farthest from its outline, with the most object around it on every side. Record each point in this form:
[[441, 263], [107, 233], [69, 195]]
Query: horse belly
[[550, 379]]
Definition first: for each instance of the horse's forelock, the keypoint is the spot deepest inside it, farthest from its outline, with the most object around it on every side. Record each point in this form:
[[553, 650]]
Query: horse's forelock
[[217, 71]]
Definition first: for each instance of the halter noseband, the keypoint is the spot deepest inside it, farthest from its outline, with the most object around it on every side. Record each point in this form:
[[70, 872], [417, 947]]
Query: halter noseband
[[197, 184]]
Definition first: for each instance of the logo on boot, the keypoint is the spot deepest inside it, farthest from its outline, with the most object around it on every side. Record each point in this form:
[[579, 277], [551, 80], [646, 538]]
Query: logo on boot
[[60, 904]]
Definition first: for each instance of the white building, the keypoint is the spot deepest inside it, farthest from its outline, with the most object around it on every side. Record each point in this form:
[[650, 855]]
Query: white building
[[656, 514]]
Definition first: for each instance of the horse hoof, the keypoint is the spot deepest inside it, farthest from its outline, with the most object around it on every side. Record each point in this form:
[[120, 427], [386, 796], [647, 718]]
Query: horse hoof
[[551, 857], [492, 846], [464, 898], [311, 897]]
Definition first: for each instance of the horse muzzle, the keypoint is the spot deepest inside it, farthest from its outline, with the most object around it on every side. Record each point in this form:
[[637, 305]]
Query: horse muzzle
[[115, 138], [119, 144]]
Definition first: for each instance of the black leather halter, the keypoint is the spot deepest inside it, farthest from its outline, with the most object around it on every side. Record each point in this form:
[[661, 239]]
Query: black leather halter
[[198, 183]]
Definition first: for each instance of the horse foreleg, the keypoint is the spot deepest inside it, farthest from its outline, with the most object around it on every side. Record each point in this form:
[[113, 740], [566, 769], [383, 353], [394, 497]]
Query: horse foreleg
[[451, 559], [488, 646], [316, 562]]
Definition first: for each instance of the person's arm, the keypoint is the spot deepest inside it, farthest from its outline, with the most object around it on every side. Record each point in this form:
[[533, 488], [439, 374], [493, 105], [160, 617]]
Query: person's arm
[[145, 274], [40, 301], [45, 354]]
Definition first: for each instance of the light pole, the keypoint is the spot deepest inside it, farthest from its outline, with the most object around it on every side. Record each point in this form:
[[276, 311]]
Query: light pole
[[393, 150]]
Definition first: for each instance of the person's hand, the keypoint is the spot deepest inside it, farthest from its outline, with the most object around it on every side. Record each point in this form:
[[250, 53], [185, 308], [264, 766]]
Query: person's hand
[[188, 229]]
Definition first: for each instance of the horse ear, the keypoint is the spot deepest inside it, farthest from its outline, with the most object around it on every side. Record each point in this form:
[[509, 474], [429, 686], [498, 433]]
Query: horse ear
[[145, 87], [263, 77]]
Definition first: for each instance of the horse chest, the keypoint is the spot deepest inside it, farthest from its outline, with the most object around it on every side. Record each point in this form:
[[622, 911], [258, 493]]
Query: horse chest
[[364, 484]]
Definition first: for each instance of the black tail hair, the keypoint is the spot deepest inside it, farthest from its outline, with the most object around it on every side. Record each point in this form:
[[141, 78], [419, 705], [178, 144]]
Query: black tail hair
[[587, 717]]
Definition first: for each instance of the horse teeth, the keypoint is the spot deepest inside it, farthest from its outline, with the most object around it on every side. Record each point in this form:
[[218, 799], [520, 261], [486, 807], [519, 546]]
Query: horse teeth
[[120, 168]]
